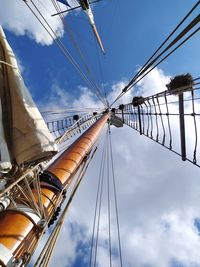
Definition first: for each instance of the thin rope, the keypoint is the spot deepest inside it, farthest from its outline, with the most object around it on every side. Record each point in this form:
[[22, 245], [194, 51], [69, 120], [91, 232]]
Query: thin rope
[[108, 199], [96, 205], [47, 250], [60, 44], [115, 198], [99, 210], [57, 7], [171, 52], [148, 64], [169, 36], [74, 62]]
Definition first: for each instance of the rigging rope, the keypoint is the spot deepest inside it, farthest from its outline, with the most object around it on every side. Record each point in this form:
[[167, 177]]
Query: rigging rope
[[99, 210], [186, 39], [69, 110], [96, 205], [108, 199], [66, 26], [115, 198], [165, 41], [46, 253], [105, 173], [64, 50], [146, 69], [57, 7]]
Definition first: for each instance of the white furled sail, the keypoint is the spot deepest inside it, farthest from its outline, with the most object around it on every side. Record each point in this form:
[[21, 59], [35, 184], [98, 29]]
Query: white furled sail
[[28, 137]]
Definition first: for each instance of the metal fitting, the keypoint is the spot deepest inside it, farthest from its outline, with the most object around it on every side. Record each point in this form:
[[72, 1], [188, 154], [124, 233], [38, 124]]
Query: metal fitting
[[4, 203]]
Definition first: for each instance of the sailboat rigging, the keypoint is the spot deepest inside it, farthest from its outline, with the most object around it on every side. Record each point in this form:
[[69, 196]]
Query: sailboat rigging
[[38, 167]]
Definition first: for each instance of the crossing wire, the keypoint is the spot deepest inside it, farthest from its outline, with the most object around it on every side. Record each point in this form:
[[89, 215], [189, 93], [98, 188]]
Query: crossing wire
[[99, 209], [106, 172], [46, 253], [115, 197], [146, 69], [165, 41], [66, 26], [108, 200], [64, 50], [99, 187], [147, 72]]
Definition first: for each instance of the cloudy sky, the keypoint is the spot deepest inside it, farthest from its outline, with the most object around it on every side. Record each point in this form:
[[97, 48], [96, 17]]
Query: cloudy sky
[[158, 194]]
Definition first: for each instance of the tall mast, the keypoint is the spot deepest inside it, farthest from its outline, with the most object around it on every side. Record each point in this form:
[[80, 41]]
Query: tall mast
[[21, 227]]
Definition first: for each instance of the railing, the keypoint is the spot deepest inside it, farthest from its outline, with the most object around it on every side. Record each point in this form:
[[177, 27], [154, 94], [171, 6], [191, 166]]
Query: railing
[[172, 120], [69, 126]]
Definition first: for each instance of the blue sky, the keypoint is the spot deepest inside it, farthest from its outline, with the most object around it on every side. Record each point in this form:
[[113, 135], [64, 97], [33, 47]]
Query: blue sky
[[130, 34], [153, 194]]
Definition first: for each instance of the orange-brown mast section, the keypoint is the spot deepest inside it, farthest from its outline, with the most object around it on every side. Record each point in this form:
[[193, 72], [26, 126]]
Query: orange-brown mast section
[[19, 231]]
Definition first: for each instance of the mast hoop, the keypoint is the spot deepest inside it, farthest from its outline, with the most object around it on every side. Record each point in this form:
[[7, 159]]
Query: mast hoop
[[29, 213]]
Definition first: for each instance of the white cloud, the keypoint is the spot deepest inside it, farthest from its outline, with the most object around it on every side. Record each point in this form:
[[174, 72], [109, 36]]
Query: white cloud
[[153, 83], [69, 243], [116, 89], [158, 196], [22, 22], [60, 98], [86, 99]]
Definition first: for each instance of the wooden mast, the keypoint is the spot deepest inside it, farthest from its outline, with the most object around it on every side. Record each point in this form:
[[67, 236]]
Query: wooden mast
[[21, 227]]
